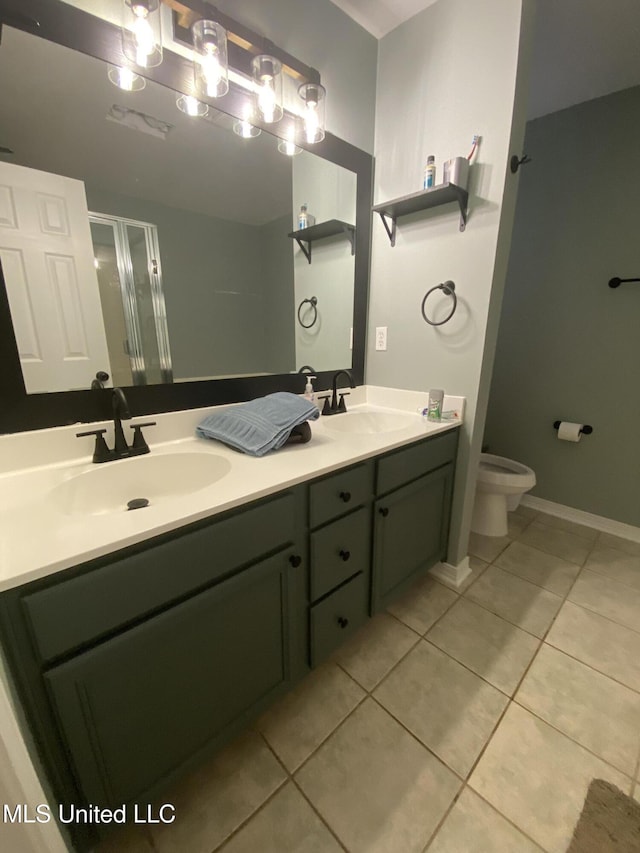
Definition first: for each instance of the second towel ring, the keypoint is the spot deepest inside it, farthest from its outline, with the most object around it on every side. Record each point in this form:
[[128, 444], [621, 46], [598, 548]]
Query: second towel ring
[[314, 305], [449, 288]]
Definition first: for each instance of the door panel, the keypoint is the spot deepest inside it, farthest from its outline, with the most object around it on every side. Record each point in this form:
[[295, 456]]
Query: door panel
[[48, 263]]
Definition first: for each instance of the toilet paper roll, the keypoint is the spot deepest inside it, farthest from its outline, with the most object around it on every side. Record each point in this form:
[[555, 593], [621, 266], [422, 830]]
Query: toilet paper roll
[[569, 432]]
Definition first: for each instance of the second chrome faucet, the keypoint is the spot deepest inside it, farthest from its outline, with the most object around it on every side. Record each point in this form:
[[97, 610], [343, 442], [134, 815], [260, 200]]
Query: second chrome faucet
[[121, 450]]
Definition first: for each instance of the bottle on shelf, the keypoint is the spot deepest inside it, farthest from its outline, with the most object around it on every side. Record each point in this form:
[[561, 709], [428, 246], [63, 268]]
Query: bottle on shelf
[[303, 218], [430, 173]]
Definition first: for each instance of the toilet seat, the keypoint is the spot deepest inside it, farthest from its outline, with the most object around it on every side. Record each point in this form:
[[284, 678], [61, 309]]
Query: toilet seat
[[502, 475]]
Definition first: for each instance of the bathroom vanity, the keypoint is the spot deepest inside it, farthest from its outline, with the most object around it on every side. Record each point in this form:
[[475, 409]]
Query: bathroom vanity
[[134, 664]]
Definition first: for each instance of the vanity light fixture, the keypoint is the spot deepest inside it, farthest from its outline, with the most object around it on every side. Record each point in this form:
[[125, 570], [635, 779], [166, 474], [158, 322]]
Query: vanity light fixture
[[243, 126], [142, 32], [126, 79], [210, 63], [313, 95], [191, 106], [267, 79]]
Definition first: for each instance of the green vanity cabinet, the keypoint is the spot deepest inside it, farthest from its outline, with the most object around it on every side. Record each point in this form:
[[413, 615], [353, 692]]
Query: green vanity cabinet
[[411, 522], [133, 666]]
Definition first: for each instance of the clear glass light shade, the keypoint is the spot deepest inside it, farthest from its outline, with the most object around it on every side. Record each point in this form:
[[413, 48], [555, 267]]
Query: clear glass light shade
[[287, 145], [243, 126], [142, 32], [313, 96], [191, 106], [126, 79], [210, 62], [267, 82]]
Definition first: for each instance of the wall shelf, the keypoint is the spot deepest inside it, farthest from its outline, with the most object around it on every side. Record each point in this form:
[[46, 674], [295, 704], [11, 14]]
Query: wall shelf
[[319, 232], [435, 196]]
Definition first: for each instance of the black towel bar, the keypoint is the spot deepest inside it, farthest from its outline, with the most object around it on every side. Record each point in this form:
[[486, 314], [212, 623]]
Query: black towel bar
[[586, 429]]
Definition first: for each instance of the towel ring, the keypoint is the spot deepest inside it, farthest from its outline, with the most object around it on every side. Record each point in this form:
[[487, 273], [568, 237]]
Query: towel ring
[[314, 305], [449, 288]]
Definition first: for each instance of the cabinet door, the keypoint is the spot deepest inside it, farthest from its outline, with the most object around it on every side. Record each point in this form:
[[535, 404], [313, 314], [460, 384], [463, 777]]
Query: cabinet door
[[410, 533], [137, 706]]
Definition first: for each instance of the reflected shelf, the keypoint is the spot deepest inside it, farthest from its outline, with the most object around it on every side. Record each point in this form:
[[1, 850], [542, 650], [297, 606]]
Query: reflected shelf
[[321, 231], [389, 211]]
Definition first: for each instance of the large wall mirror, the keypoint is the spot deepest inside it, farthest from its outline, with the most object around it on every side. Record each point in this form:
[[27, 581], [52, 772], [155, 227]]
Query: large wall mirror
[[157, 246]]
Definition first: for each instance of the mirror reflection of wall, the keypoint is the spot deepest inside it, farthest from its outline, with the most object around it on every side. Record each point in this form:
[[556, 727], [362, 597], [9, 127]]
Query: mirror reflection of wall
[[222, 207]]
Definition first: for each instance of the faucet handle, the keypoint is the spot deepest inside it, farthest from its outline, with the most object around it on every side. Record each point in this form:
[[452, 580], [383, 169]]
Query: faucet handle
[[342, 407], [101, 452], [139, 445], [326, 409]]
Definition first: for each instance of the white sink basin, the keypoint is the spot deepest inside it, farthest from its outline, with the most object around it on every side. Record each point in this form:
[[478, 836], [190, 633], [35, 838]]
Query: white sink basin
[[369, 423], [108, 487]]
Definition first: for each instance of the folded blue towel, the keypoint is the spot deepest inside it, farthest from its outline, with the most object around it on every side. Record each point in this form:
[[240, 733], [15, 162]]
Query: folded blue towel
[[260, 425]]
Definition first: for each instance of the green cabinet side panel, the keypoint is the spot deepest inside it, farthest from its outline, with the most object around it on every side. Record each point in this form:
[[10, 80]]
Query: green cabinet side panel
[[137, 706], [410, 533]]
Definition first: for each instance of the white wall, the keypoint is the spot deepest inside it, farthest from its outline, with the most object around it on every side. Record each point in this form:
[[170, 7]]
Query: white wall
[[444, 75]]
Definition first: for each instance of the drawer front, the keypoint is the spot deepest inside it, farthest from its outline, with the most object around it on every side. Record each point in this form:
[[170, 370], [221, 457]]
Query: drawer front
[[339, 493], [412, 462], [339, 551], [72, 613], [338, 616]]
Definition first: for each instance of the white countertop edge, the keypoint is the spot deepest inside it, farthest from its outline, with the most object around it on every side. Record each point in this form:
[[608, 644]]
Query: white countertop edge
[[37, 540]]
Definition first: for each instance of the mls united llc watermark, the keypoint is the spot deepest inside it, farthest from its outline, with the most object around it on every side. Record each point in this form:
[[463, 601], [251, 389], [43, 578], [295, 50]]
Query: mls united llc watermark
[[70, 813]]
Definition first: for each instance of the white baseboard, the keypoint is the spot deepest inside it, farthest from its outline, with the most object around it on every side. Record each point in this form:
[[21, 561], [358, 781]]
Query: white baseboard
[[598, 522], [450, 574]]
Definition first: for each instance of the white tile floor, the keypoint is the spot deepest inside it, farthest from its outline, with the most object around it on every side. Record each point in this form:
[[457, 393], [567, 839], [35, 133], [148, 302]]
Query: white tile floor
[[454, 723]]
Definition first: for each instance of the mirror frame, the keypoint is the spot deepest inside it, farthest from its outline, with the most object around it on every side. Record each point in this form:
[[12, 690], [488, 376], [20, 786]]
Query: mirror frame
[[66, 25]]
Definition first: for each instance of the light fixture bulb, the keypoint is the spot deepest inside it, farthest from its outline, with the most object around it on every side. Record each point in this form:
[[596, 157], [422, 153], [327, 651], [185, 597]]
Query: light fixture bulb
[[267, 79], [313, 95], [243, 126], [141, 34], [287, 145], [191, 106], [210, 63], [126, 79]]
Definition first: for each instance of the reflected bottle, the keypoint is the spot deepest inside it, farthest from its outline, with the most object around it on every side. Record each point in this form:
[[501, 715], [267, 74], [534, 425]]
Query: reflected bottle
[[303, 218]]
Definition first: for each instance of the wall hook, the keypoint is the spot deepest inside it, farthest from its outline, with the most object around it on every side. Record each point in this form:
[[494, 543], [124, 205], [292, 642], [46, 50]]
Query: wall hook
[[616, 282], [516, 162]]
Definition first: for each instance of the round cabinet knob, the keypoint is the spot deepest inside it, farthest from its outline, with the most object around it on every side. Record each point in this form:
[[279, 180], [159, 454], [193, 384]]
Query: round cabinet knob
[[295, 560], [384, 511], [346, 496], [342, 622], [345, 554]]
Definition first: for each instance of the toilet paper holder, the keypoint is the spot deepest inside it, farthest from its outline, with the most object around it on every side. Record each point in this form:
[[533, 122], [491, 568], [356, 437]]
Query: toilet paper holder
[[586, 429]]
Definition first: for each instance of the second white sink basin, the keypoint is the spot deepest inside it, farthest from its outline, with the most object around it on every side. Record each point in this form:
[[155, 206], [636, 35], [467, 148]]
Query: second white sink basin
[[369, 423], [109, 487]]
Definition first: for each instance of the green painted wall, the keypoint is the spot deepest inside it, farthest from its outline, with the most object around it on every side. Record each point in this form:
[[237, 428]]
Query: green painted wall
[[568, 345]]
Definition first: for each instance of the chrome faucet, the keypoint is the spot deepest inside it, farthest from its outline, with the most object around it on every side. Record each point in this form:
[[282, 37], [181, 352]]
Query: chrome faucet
[[336, 407], [121, 450]]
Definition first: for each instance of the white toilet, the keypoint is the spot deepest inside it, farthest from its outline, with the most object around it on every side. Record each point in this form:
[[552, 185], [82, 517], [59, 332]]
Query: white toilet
[[500, 485]]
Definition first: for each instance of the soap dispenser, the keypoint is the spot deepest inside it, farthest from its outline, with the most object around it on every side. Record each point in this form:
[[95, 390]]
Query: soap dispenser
[[309, 393]]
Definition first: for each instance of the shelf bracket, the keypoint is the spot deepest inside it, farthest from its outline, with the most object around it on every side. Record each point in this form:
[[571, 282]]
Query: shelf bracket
[[463, 203], [391, 232], [351, 236], [306, 249]]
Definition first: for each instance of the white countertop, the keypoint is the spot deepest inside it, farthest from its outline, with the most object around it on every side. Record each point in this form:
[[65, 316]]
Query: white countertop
[[38, 537]]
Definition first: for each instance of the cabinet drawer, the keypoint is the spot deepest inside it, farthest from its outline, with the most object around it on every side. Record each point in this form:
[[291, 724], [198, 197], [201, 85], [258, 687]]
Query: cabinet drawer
[[338, 551], [338, 616], [413, 462], [72, 613], [337, 494]]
